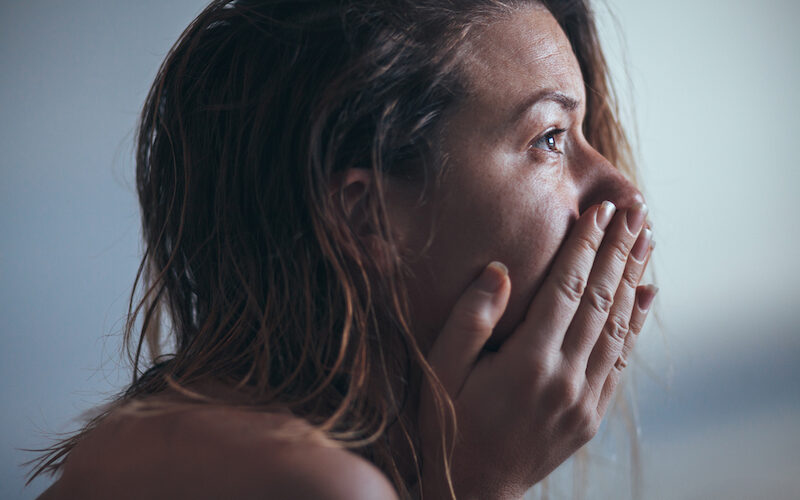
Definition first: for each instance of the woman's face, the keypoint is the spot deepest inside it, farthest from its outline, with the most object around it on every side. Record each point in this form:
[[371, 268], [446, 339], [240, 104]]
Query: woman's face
[[519, 172]]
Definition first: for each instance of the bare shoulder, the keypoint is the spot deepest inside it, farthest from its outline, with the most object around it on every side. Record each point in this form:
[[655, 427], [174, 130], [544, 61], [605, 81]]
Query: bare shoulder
[[216, 453]]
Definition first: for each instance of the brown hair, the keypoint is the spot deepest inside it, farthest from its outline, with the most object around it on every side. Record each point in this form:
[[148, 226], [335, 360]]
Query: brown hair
[[263, 282]]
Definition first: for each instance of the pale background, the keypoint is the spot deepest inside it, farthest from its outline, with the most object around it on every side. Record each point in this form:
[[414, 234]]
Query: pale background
[[714, 86]]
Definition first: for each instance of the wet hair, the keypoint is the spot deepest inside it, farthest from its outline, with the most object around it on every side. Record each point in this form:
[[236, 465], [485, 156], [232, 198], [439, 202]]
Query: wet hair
[[252, 274]]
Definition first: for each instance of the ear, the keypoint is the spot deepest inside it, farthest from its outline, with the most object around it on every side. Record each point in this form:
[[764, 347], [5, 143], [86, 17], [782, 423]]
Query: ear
[[351, 190]]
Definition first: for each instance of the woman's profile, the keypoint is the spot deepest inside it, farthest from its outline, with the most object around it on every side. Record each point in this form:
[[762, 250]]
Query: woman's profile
[[392, 249]]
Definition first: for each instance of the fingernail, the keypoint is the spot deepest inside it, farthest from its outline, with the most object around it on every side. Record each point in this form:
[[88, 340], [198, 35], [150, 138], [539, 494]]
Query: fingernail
[[492, 278], [636, 217], [642, 245], [604, 214], [646, 297]]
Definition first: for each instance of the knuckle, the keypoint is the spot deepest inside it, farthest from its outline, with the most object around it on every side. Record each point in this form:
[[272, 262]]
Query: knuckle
[[591, 426], [543, 363], [621, 363], [587, 243], [619, 251], [571, 286], [536, 370], [630, 277], [617, 328], [582, 422], [478, 319], [564, 392], [636, 326], [601, 297]]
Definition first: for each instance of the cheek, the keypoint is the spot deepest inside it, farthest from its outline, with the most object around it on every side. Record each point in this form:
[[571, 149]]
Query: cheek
[[500, 211], [517, 225], [529, 248]]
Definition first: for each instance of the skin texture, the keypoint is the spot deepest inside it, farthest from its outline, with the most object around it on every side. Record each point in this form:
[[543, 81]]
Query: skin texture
[[531, 367], [214, 453], [505, 200], [530, 356]]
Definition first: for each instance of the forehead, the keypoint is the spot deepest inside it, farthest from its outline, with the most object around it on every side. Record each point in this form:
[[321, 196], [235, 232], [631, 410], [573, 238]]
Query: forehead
[[518, 55]]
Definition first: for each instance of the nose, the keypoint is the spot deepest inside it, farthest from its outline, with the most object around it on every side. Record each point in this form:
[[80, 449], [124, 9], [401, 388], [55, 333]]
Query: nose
[[597, 180]]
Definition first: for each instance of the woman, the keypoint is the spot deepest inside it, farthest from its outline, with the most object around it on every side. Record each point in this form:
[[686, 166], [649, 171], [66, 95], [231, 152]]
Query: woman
[[397, 250]]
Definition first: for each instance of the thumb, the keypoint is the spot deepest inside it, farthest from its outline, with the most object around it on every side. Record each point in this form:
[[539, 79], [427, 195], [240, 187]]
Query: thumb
[[469, 326]]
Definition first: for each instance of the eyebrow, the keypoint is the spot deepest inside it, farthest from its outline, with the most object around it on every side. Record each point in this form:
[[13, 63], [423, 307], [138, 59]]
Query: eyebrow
[[566, 102]]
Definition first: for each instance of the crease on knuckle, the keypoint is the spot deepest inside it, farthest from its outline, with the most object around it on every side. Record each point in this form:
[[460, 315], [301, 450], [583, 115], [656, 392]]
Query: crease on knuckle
[[601, 298], [619, 251], [631, 277], [587, 243], [572, 286], [636, 326], [617, 328]]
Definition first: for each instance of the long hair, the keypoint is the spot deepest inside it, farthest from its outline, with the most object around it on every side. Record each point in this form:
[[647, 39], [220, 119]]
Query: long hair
[[252, 275]]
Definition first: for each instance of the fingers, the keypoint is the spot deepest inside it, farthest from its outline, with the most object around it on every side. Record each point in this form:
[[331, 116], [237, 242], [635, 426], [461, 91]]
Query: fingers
[[469, 327], [612, 337], [604, 289], [554, 305], [644, 300]]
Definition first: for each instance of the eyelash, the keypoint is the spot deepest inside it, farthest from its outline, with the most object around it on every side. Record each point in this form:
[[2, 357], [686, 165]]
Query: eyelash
[[543, 140]]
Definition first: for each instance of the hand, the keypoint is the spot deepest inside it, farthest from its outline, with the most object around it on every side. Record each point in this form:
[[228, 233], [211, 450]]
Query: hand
[[521, 411]]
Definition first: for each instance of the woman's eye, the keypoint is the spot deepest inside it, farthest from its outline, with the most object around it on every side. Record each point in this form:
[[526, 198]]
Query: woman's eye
[[550, 141]]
